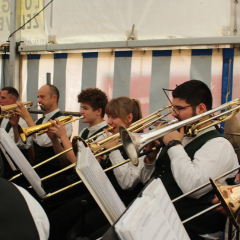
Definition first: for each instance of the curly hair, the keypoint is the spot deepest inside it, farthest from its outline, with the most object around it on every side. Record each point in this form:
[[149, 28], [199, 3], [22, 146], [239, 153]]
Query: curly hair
[[122, 106], [95, 98]]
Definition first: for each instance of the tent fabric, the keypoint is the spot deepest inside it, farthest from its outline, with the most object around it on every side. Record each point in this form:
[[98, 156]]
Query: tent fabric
[[137, 74], [101, 21]]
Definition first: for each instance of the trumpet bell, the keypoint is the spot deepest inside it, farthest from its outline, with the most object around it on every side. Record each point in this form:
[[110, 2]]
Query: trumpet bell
[[229, 196], [132, 144]]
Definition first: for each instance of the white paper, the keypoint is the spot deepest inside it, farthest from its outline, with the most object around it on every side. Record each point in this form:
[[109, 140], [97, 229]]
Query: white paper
[[99, 185], [22, 163], [151, 216]]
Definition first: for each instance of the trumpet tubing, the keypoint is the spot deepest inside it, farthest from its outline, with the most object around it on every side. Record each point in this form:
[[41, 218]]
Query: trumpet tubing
[[42, 128], [6, 108]]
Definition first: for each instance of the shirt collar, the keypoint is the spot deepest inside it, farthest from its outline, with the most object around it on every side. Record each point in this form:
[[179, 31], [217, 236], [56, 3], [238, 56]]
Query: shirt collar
[[49, 115], [187, 140], [95, 128]]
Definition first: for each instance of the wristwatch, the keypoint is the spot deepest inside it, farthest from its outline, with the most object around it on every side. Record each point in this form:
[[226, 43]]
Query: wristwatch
[[173, 143]]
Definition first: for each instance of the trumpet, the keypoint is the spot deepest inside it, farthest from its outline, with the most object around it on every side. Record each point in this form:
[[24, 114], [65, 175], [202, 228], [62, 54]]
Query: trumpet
[[42, 128], [7, 108], [133, 143], [96, 146]]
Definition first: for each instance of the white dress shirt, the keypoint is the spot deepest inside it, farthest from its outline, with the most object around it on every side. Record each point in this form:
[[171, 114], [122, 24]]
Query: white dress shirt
[[38, 214], [213, 159], [127, 175], [23, 124], [94, 129]]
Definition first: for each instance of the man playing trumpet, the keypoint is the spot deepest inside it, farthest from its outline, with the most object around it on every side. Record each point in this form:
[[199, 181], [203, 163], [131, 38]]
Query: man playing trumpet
[[9, 96], [48, 97]]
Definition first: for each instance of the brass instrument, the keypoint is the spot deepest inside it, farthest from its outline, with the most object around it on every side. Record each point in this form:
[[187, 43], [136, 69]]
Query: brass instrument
[[229, 196], [74, 141], [96, 146], [42, 128], [133, 143], [9, 108], [134, 127]]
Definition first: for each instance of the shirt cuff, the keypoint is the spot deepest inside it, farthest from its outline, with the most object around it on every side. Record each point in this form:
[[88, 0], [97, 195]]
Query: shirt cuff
[[116, 154], [149, 166], [176, 152]]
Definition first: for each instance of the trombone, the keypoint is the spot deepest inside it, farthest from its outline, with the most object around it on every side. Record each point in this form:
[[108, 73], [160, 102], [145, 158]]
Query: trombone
[[133, 143], [5, 109], [96, 146]]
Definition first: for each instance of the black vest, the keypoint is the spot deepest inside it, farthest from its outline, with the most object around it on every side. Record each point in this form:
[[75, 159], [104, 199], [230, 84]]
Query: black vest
[[84, 134], [187, 207], [43, 153], [16, 221]]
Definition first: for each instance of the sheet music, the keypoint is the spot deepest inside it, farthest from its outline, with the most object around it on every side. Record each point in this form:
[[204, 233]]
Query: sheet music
[[98, 184], [22, 163], [151, 216]]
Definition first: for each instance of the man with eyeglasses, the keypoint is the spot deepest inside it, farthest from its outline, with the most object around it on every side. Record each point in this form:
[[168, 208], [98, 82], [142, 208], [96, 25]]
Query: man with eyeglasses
[[186, 163]]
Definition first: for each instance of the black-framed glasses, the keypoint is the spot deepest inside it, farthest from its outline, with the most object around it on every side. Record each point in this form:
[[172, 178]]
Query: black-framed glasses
[[178, 109]]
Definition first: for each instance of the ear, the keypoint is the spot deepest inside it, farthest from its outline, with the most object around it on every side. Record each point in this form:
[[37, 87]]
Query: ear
[[129, 118], [54, 97], [98, 112], [201, 108], [13, 100]]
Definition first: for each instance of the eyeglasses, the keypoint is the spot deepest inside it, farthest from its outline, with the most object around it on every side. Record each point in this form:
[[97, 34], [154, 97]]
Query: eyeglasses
[[178, 109]]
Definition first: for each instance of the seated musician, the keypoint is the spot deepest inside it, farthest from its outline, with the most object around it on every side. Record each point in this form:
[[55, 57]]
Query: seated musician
[[65, 221], [48, 97], [22, 217], [93, 102], [188, 162], [8, 96]]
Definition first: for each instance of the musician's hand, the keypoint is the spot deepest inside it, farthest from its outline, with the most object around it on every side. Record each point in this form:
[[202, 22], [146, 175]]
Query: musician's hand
[[50, 134], [22, 111], [150, 157], [111, 144], [14, 120], [58, 129], [101, 157], [175, 135], [220, 209]]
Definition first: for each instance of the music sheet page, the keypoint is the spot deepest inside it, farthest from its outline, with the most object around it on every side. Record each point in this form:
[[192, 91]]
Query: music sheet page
[[151, 216]]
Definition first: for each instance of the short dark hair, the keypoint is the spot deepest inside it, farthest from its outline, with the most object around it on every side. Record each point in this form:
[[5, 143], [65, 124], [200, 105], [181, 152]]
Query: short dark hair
[[95, 98], [11, 91], [53, 91], [194, 92]]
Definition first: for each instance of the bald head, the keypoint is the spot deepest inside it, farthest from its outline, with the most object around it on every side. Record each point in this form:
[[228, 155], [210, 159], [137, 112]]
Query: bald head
[[48, 96]]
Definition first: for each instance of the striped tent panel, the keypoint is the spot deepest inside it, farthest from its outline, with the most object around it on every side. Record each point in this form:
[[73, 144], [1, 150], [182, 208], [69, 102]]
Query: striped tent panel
[[137, 74]]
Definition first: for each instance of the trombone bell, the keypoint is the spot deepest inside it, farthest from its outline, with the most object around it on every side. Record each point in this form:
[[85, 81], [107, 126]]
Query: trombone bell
[[229, 196]]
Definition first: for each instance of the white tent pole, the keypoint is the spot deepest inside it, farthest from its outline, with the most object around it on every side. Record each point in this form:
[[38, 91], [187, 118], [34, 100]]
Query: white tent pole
[[15, 22]]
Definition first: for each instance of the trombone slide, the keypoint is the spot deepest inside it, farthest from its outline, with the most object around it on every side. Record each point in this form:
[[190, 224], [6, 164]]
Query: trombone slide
[[133, 143]]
